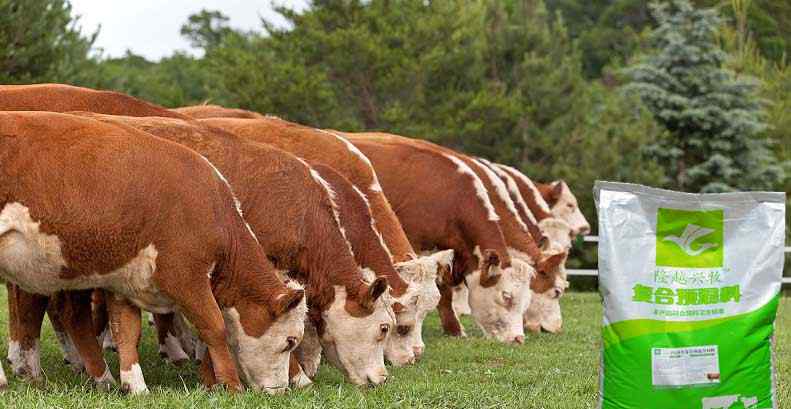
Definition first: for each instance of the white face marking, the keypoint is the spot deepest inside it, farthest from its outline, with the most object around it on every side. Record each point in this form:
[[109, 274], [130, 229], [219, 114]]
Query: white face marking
[[421, 273], [480, 189], [33, 260], [236, 202], [501, 191], [356, 345], [513, 189], [566, 208], [132, 380], [544, 312], [309, 350], [530, 185], [498, 309], [264, 360]]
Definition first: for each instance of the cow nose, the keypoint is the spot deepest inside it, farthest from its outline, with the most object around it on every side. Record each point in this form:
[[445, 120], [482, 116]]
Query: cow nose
[[418, 352], [585, 230], [558, 293], [520, 339]]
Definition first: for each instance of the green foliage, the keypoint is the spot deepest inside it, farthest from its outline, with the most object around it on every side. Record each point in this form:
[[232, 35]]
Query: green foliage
[[713, 118], [41, 42], [206, 29]]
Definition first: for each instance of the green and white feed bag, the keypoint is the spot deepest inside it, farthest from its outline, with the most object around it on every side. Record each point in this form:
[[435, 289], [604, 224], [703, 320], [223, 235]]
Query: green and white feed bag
[[690, 285]]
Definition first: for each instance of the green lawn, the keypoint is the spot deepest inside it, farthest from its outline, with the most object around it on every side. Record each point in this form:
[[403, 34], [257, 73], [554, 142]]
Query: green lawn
[[549, 371]]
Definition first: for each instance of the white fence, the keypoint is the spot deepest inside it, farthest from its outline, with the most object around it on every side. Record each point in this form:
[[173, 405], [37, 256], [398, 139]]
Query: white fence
[[595, 273]]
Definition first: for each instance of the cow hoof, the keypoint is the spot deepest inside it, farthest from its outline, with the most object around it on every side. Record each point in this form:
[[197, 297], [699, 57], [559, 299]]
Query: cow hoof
[[106, 382], [301, 381]]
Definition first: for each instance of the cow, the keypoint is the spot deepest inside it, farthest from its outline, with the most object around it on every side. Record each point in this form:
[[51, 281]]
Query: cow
[[564, 205], [91, 205], [63, 98], [544, 311], [323, 147], [293, 211], [443, 204]]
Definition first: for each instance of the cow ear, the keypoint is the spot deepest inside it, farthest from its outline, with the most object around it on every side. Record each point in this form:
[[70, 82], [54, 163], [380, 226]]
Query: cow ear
[[557, 189], [543, 243], [550, 263], [491, 260], [288, 301]]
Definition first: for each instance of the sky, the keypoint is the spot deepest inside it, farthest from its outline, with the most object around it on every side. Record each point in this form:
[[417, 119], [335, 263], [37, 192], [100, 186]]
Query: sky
[[151, 27]]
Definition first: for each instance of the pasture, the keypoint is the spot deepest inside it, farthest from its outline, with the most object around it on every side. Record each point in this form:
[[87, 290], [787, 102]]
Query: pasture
[[548, 372]]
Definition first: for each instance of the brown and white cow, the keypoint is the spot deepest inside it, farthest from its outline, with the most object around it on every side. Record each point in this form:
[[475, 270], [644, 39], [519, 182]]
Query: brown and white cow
[[295, 214], [63, 98], [544, 311], [564, 205], [323, 147], [442, 203], [90, 205]]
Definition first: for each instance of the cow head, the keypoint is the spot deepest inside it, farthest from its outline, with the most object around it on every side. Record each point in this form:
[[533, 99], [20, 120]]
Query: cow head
[[544, 310], [263, 337], [565, 207], [354, 331], [407, 340], [499, 296]]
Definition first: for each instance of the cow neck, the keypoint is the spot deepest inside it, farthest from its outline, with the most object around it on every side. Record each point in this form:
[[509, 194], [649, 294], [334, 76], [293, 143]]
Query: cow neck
[[532, 197], [390, 227], [330, 261]]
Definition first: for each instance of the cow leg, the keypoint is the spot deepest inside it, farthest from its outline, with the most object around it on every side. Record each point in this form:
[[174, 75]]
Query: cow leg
[[450, 322], [169, 344], [201, 309], [13, 324], [185, 335], [70, 354], [296, 376], [125, 325], [76, 319], [101, 321], [23, 352], [308, 353]]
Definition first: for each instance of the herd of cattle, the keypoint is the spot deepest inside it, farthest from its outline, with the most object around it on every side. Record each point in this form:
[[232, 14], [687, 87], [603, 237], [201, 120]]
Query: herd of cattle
[[275, 243]]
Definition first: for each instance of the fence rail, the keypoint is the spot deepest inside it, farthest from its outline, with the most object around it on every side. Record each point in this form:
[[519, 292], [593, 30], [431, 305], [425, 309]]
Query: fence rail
[[595, 273]]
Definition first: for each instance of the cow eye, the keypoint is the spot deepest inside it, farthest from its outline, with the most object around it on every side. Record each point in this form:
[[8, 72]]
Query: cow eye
[[403, 330], [383, 330], [508, 298], [291, 343]]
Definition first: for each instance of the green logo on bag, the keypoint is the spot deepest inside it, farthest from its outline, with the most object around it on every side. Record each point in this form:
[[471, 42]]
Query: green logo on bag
[[689, 238]]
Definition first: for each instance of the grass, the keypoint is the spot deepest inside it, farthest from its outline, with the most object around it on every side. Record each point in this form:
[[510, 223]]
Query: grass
[[549, 371]]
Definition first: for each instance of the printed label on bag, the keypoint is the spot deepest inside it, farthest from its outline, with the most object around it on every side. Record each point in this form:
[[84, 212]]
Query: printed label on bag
[[675, 367]]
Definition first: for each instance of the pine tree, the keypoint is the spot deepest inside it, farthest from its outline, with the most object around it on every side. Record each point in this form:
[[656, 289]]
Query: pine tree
[[715, 120]]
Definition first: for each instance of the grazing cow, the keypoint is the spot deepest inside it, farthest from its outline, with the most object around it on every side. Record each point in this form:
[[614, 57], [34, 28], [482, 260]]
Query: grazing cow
[[90, 205], [564, 206], [64, 98], [323, 147], [214, 111], [443, 204], [294, 212], [544, 311]]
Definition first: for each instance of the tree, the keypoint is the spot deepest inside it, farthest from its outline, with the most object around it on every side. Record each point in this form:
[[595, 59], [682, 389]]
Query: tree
[[714, 120], [206, 29], [41, 41]]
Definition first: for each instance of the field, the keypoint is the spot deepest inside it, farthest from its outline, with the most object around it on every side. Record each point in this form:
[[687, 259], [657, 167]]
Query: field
[[549, 371]]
